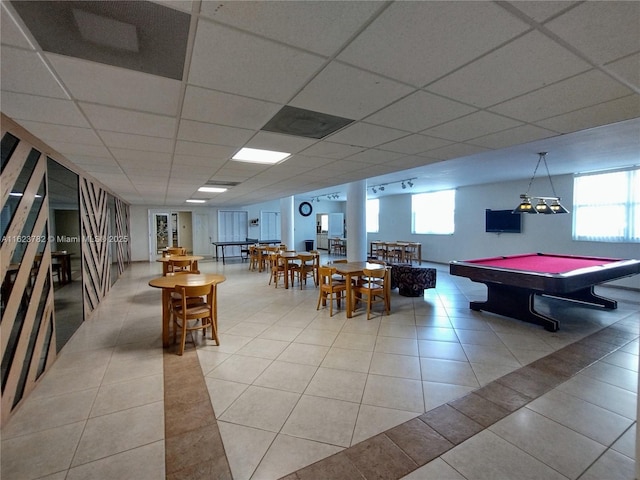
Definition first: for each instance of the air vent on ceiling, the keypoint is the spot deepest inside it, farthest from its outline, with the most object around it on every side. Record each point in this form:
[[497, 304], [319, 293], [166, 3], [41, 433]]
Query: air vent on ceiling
[[219, 183], [305, 123]]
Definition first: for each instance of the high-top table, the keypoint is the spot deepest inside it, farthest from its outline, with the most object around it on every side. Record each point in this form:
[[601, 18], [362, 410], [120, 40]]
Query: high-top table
[[350, 270], [168, 282]]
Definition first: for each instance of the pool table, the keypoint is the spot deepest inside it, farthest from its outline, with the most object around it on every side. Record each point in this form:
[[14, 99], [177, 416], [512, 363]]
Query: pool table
[[514, 281]]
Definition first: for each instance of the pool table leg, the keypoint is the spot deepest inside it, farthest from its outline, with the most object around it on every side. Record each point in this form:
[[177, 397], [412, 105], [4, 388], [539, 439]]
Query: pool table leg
[[587, 295], [514, 302]]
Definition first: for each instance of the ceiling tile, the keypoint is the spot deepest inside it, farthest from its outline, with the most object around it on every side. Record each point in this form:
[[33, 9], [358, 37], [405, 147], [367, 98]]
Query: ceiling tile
[[374, 156], [239, 59], [25, 72], [582, 90], [472, 126], [513, 136], [366, 135], [117, 87], [11, 33], [419, 111], [103, 167], [414, 144], [317, 26], [602, 114], [348, 92], [211, 133], [62, 133], [123, 154], [227, 109], [599, 31], [398, 43], [192, 161], [331, 150], [627, 68], [541, 11], [127, 121], [530, 62], [79, 149], [279, 143], [204, 150], [137, 142], [20, 106], [455, 150]]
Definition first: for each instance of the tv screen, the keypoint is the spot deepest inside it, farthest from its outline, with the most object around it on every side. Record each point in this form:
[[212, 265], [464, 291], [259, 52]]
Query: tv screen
[[502, 221]]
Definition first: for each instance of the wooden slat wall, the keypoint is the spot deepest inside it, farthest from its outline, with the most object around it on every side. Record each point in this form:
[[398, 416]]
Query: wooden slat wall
[[94, 225], [38, 327], [35, 322]]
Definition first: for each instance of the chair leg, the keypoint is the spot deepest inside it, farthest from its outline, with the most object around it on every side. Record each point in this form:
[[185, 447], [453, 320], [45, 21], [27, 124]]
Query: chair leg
[[184, 336]]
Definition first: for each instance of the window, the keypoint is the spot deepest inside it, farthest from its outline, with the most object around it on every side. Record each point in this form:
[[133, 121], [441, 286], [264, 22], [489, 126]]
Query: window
[[433, 212], [373, 210], [606, 206]]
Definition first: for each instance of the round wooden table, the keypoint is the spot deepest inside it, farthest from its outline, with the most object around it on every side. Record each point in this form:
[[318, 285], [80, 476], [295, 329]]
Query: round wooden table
[[168, 282], [165, 261]]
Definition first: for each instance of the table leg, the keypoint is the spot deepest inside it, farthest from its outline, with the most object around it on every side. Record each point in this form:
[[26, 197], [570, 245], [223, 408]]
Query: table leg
[[223, 254], [166, 298], [286, 273], [349, 296]]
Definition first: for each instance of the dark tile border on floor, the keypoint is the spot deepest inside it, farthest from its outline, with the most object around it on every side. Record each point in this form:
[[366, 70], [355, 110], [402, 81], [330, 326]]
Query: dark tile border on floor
[[194, 448], [399, 451], [193, 445]]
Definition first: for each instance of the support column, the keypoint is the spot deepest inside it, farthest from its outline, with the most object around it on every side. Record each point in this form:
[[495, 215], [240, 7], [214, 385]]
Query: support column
[[357, 221], [286, 222]]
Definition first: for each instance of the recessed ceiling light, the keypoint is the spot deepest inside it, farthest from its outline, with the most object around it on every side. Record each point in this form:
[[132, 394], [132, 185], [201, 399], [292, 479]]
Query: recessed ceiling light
[[212, 189], [195, 201], [255, 155]]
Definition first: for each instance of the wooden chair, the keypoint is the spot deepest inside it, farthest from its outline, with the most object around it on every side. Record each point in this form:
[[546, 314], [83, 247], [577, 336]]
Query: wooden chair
[[375, 286], [277, 268], [189, 315], [254, 258], [175, 251], [330, 289], [316, 262], [411, 252], [306, 269], [183, 266]]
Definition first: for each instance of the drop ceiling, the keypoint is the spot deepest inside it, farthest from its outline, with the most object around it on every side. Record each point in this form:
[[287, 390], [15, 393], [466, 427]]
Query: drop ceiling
[[448, 93]]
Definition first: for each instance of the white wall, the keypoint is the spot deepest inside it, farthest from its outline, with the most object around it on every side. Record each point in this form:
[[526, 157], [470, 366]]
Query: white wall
[[541, 233]]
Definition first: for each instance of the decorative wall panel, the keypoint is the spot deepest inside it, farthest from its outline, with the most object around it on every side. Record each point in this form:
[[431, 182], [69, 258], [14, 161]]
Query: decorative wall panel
[[96, 262], [27, 313], [26, 297]]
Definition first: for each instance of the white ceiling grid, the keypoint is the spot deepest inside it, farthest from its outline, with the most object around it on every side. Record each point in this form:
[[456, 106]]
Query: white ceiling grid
[[448, 92]]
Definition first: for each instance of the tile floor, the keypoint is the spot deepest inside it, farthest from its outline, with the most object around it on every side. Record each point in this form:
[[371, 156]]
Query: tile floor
[[297, 393]]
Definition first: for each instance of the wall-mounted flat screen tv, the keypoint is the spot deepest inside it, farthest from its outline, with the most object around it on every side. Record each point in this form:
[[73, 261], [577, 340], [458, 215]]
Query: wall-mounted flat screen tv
[[502, 221]]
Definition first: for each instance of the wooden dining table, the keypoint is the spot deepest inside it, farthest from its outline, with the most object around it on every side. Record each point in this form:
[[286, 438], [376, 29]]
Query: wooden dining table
[[350, 270], [168, 283], [165, 261]]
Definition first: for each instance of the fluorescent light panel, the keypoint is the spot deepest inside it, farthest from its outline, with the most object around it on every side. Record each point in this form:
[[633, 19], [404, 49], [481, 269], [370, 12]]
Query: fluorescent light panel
[[212, 189], [195, 201], [255, 155]]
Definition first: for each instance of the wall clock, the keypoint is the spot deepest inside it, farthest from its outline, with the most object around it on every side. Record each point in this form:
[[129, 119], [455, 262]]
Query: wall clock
[[305, 209]]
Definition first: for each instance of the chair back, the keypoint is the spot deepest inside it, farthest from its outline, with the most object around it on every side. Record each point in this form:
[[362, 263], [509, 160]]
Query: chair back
[[176, 251], [325, 275], [375, 276], [186, 291], [184, 266]]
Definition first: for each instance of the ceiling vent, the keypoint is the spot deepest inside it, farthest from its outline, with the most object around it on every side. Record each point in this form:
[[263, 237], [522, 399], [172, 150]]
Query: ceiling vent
[[220, 183], [305, 123], [141, 36]]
